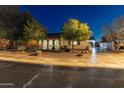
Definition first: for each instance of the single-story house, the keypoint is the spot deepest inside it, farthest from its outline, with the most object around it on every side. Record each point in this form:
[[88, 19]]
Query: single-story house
[[55, 41]]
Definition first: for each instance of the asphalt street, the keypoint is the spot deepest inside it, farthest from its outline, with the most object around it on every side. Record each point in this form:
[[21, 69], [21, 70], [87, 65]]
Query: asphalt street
[[19, 75]]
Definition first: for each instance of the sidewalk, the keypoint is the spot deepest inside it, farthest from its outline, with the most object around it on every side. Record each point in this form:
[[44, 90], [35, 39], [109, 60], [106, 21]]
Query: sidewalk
[[103, 60]]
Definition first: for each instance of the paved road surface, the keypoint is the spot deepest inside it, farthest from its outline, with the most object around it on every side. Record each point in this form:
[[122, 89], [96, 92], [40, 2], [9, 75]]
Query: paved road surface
[[27, 75]]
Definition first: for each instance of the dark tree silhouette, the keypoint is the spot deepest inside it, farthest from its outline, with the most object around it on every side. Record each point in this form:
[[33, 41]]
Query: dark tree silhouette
[[9, 21]]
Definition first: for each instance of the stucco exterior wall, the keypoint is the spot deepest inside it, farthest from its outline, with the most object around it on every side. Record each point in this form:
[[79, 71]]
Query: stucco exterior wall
[[83, 44]]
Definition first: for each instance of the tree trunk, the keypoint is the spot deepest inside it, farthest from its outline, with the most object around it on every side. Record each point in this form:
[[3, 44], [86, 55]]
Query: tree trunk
[[37, 45], [72, 46]]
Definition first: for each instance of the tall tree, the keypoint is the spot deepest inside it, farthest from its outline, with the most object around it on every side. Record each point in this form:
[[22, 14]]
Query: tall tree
[[108, 33], [9, 21], [33, 31], [115, 31], [24, 18], [74, 30]]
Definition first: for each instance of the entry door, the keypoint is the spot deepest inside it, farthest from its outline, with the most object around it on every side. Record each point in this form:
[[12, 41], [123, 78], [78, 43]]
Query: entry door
[[50, 45]]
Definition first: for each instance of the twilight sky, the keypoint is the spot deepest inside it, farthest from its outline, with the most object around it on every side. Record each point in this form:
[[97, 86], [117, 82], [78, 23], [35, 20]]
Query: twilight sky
[[53, 16]]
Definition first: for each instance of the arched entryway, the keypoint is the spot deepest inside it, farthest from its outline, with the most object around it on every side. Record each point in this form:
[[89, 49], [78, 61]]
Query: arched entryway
[[56, 45], [50, 44], [44, 44]]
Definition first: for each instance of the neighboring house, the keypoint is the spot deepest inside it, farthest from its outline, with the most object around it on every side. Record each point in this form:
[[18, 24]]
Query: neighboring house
[[55, 41], [119, 44]]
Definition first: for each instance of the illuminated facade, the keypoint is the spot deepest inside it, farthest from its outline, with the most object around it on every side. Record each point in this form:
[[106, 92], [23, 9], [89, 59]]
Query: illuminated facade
[[55, 41]]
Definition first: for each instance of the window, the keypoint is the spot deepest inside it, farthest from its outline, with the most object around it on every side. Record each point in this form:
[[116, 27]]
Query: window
[[75, 42]]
